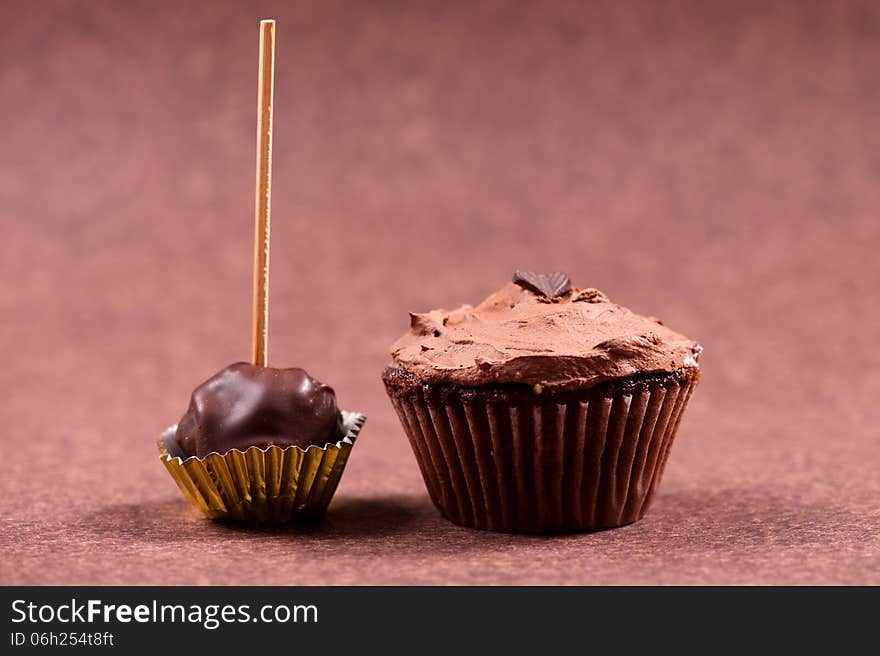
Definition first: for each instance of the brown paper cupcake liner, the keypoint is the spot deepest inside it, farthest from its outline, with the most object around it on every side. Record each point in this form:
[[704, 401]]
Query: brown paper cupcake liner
[[507, 459], [262, 485]]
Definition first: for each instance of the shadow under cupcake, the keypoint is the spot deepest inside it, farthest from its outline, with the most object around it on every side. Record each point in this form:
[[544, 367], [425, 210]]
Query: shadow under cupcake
[[544, 409]]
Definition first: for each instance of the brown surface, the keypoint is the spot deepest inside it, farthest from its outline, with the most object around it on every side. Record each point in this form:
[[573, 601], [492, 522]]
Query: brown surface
[[715, 164]]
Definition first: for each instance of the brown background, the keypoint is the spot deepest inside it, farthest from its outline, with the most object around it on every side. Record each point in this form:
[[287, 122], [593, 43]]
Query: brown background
[[715, 164]]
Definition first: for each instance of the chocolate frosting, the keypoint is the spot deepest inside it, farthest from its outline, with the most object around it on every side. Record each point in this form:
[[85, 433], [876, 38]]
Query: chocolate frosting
[[245, 405], [522, 335]]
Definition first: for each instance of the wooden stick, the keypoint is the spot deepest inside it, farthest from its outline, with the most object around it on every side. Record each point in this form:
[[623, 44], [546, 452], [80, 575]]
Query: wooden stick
[[265, 97]]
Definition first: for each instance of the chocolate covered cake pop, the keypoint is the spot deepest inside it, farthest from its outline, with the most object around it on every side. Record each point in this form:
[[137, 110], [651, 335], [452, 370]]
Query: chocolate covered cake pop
[[260, 443], [245, 405]]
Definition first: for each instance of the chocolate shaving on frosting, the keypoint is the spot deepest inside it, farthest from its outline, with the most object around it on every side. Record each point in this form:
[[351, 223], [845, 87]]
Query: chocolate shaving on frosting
[[551, 285]]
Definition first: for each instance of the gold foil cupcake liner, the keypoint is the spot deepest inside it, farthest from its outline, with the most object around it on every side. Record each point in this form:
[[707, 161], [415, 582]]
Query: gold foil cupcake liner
[[577, 462], [262, 485]]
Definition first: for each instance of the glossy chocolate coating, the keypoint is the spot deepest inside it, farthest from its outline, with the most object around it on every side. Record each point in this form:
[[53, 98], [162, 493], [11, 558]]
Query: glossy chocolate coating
[[245, 405]]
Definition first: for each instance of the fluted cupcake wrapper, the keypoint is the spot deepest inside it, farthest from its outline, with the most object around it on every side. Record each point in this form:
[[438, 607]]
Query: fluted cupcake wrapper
[[561, 463], [262, 485]]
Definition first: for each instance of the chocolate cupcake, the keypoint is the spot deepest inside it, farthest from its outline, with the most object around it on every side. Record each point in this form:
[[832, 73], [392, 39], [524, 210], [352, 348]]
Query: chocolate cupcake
[[545, 408], [260, 444]]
